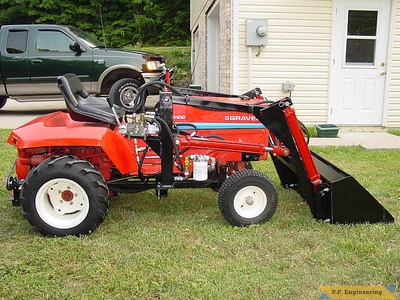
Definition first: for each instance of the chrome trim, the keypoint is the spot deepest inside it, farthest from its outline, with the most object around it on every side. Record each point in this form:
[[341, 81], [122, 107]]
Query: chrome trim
[[149, 76]]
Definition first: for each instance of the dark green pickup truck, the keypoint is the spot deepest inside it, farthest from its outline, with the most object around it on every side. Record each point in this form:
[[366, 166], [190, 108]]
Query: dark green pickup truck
[[33, 56]]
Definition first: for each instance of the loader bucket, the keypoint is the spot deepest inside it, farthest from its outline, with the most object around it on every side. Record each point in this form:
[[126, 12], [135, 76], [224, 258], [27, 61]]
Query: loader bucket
[[332, 194], [348, 201]]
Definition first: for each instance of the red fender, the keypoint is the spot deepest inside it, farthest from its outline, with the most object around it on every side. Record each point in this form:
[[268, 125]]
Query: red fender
[[58, 129]]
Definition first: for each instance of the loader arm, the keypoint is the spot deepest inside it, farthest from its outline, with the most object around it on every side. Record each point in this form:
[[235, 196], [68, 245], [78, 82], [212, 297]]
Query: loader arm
[[332, 195]]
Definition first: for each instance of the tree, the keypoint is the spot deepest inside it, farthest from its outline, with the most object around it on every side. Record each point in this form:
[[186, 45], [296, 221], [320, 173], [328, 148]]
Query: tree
[[126, 22]]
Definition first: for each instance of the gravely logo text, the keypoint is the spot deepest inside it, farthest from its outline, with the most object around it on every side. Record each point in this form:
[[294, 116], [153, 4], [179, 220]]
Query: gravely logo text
[[240, 118]]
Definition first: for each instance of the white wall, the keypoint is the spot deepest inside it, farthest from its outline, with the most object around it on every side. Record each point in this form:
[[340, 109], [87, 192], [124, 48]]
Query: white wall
[[298, 50]]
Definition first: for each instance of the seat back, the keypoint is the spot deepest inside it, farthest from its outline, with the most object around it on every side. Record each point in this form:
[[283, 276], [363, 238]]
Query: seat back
[[71, 86], [82, 106]]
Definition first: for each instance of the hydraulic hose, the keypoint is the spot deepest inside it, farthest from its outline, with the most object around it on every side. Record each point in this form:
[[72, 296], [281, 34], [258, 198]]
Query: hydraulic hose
[[140, 99]]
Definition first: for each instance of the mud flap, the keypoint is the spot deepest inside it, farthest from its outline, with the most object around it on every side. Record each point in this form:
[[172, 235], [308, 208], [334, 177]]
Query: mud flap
[[346, 200]]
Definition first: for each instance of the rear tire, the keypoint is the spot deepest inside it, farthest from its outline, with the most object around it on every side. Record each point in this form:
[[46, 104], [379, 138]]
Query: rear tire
[[123, 92], [247, 197], [64, 196]]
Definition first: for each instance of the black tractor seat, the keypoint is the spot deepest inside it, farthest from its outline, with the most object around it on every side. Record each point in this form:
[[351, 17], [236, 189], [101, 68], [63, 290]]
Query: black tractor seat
[[82, 106]]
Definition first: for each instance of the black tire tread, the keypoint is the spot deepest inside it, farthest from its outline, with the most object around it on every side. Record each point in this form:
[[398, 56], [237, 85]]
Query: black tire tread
[[114, 95], [234, 183], [78, 169]]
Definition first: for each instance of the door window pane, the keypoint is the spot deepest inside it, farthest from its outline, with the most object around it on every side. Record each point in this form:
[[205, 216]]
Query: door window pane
[[362, 22], [54, 41], [360, 51], [361, 36], [16, 41]]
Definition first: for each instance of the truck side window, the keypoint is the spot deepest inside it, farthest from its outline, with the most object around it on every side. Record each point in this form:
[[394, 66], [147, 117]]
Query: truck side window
[[16, 41], [54, 41]]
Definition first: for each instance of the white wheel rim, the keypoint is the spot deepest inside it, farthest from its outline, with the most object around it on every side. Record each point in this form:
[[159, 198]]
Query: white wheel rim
[[62, 203], [250, 202]]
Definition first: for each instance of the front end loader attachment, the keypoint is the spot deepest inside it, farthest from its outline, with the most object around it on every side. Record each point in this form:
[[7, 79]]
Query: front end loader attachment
[[332, 194], [347, 200]]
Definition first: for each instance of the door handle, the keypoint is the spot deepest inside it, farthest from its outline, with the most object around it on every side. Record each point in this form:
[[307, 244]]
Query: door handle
[[36, 61], [383, 73]]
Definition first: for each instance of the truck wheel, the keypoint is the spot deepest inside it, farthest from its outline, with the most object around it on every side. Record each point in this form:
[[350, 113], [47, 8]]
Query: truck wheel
[[123, 92], [247, 197], [3, 102], [64, 196]]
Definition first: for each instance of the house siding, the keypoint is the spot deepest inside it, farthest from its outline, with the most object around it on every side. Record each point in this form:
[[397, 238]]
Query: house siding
[[298, 50], [393, 115]]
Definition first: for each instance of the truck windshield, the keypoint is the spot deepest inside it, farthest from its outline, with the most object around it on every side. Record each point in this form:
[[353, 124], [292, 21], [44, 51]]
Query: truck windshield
[[86, 38]]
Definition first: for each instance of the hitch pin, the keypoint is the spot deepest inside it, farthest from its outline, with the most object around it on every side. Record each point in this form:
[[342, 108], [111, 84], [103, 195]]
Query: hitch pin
[[281, 151]]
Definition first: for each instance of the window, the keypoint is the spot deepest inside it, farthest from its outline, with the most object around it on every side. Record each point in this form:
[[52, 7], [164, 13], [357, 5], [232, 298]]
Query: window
[[16, 41], [54, 41], [361, 37]]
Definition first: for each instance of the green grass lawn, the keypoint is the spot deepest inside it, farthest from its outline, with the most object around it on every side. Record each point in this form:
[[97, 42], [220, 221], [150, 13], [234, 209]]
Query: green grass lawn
[[181, 247]]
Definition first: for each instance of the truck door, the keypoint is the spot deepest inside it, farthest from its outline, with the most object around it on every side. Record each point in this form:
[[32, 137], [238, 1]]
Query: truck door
[[51, 57], [14, 62]]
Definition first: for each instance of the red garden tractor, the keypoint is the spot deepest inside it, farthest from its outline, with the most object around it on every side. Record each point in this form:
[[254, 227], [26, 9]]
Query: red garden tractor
[[69, 165]]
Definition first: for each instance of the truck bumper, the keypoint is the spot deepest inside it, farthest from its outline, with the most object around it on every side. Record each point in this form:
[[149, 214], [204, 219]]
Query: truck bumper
[[148, 76]]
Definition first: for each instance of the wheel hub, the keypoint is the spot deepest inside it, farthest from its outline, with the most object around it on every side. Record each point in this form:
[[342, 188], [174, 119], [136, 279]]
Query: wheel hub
[[249, 200], [67, 195], [64, 197], [128, 96]]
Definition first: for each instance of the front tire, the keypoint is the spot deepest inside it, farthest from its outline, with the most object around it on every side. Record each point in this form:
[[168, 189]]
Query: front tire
[[247, 197], [123, 92], [64, 196]]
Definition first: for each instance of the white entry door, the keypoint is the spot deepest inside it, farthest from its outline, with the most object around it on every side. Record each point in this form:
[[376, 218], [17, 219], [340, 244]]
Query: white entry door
[[360, 43]]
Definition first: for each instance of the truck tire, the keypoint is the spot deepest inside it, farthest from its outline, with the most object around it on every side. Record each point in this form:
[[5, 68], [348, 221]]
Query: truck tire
[[247, 197], [123, 92], [64, 196], [3, 102]]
